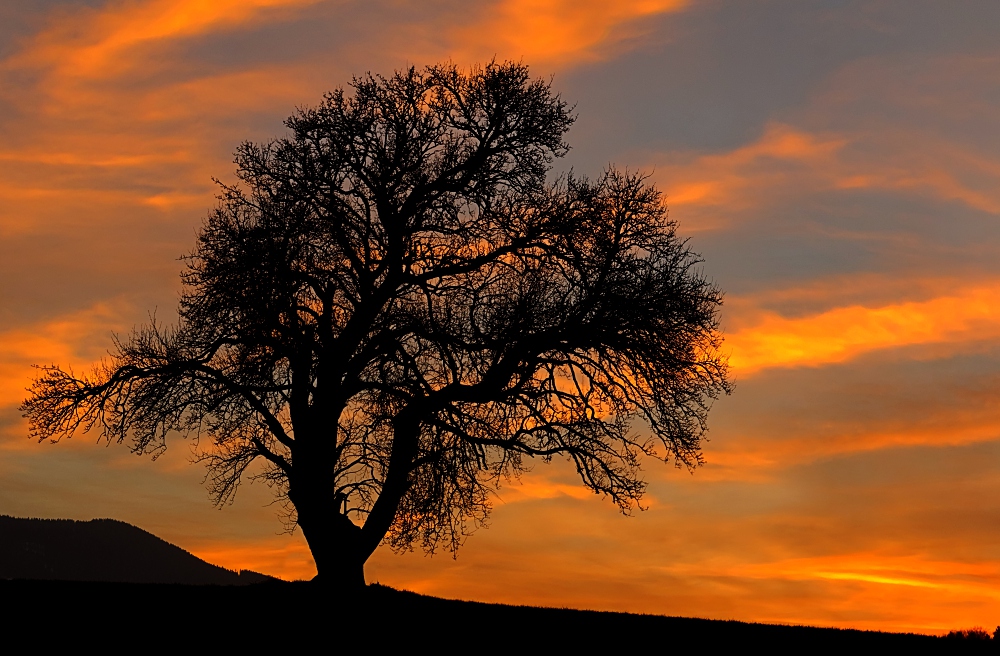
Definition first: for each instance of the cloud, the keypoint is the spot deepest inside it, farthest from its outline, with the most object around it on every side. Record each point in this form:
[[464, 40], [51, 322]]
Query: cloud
[[782, 154], [754, 457], [844, 333], [96, 44], [927, 166], [74, 340], [536, 486], [556, 32], [889, 576], [788, 163]]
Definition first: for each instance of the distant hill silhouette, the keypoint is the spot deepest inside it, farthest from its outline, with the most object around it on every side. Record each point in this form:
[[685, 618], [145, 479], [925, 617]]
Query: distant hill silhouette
[[102, 550]]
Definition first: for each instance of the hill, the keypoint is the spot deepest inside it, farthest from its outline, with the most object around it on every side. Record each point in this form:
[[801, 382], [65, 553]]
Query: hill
[[303, 616], [102, 550]]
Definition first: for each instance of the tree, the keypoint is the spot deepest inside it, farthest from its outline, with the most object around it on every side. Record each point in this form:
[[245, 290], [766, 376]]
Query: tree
[[395, 310]]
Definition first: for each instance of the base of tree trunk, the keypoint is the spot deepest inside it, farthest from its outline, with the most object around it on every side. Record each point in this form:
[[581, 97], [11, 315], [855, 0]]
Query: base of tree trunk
[[352, 578]]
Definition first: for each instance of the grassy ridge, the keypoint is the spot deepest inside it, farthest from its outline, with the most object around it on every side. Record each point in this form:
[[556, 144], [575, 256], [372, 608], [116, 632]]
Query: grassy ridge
[[293, 616]]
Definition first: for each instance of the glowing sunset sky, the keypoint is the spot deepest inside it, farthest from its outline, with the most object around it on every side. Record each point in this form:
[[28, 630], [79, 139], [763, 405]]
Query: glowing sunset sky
[[836, 163]]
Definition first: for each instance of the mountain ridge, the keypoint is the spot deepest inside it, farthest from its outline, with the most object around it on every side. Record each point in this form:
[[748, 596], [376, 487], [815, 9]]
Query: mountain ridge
[[107, 550]]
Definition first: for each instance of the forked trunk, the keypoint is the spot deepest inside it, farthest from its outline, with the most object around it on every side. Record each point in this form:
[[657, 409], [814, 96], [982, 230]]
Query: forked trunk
[[334, 542], [339, 547]]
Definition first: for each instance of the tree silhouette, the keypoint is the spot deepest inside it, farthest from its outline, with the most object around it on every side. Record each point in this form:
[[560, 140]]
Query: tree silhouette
[[396, 311]]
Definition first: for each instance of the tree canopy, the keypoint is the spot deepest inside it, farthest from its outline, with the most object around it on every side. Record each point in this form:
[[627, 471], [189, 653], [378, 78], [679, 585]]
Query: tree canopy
[[396, 310]]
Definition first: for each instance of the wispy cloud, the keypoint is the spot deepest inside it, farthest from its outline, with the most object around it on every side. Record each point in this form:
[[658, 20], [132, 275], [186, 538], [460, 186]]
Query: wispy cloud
[[788, 162], [756, 457], [100, 43], [840, 334], [74, 340], [781, 156], [556, 32]]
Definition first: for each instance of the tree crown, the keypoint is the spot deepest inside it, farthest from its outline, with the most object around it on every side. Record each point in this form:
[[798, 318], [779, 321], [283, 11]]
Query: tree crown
[[394, 308]]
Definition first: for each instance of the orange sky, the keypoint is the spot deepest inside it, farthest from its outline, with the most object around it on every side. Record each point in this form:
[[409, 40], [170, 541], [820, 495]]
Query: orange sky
[[837, 164]]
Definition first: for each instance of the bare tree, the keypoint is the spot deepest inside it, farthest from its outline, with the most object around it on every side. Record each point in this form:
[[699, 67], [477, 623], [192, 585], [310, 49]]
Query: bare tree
[[396, 310]]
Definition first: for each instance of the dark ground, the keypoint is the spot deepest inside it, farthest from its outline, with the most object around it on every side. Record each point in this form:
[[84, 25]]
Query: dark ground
[[292, 617]]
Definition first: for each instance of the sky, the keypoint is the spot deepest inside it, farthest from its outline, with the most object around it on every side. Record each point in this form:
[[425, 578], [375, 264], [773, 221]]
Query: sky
[[835, 163]]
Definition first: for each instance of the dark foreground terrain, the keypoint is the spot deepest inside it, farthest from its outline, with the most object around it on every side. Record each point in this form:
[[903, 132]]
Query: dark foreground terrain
[[287, 617], [109, 584]]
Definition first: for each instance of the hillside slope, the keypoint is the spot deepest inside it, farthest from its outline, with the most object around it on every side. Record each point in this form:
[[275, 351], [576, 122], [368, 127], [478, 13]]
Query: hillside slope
[[102, 550], [303, 616]]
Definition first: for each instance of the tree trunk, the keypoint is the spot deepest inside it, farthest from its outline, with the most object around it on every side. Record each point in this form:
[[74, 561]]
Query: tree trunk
[[406, 432], [339, 547], [334, 542]]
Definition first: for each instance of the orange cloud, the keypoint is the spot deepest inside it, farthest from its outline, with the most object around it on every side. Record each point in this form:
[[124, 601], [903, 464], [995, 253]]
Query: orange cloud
[[889, 576], [733, 179], [552, 32], [162, 145], [76, 340], [534, 486], [910, 570], [789, 161], [844, 333], [86, 131], [941, 172], [757, 458], [99, 47]]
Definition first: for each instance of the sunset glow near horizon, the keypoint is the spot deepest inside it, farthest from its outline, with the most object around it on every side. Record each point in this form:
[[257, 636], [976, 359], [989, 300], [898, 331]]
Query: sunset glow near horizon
[[833, 162]]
